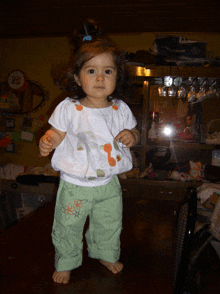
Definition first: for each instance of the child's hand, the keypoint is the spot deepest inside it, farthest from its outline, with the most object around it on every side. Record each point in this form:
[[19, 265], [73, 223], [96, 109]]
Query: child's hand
[[128, 138], [46, 145], [50, 140]]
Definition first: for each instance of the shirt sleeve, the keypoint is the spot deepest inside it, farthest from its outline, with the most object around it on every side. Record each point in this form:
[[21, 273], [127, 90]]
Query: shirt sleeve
[[60, 117], [128, 117]]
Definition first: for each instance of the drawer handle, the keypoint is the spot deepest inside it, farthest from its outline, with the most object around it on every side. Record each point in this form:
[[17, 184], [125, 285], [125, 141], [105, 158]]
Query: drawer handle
[[164, 192]]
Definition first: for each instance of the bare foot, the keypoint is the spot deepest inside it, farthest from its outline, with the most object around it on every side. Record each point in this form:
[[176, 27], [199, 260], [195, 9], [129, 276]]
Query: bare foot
[[113, 267], [61, 277]]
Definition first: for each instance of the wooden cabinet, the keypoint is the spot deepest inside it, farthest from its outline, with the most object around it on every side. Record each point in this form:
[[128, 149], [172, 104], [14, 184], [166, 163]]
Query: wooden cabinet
[[160, 190], [145, 82]]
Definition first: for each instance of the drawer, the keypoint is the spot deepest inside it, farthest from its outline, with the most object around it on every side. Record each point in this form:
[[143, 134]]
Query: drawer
[[130, 191], [168, 193]]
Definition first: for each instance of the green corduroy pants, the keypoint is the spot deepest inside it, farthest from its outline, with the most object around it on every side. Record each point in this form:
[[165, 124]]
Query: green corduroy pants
[[103, 205]]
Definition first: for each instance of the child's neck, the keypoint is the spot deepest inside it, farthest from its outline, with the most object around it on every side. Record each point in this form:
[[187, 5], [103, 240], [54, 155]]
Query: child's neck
[[95, 103]]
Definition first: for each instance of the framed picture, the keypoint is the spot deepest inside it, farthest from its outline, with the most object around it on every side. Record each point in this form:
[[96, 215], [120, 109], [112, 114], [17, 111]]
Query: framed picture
[[10, 148], [26, 123], [10, 123]]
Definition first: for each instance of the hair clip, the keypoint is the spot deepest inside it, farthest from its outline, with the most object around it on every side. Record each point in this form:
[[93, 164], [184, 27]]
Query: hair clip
[[87, 38]]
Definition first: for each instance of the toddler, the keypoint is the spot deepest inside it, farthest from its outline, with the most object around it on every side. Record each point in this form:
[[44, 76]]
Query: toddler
[[91, 134]]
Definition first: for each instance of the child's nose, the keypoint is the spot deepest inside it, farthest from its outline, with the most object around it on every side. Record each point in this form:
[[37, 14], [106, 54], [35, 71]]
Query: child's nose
[[100, 77]]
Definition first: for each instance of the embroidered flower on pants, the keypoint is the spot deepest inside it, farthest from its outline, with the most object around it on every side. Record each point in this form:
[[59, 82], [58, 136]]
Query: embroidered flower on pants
[[69, 209], [77, 214], [77, 204], [73, 209]]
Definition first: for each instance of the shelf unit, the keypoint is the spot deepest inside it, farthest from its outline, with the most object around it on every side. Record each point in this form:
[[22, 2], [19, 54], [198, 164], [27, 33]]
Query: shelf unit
[[146, 76]]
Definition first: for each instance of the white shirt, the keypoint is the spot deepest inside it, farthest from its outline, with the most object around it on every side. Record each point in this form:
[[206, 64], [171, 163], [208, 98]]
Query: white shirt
[[88, 155]]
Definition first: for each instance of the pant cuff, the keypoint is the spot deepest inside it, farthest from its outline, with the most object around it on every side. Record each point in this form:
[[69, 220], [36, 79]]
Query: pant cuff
[[106, 255], [67, 264]]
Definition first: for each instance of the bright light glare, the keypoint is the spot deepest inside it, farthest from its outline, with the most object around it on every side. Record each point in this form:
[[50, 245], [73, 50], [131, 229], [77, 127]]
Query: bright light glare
[[168, 131]]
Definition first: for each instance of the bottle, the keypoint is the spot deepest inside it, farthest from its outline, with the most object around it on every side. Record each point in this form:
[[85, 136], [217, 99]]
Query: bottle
[[152, 134]]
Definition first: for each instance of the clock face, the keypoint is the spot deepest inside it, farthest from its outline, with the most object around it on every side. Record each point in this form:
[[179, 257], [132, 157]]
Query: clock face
[[16, 80]]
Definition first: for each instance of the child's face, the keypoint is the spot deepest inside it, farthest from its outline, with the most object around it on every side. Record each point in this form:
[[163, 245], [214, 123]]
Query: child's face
[[98, 76]]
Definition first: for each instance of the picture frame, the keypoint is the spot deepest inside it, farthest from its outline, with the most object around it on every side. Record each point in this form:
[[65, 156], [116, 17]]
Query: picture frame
[[26, 123], [10, 148], [10, 123]]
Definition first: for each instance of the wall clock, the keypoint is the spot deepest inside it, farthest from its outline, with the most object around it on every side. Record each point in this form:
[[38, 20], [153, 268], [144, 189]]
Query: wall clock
[[16, 80]]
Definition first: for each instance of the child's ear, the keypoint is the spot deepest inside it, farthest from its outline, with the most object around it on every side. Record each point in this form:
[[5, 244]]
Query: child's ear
[[77, 80]]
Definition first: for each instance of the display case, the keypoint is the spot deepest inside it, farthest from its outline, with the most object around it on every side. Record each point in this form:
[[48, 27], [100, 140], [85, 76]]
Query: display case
[[155, 110]]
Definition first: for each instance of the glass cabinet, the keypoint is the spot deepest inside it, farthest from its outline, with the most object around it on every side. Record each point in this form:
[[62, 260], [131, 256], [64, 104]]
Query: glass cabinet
[[176, 108]]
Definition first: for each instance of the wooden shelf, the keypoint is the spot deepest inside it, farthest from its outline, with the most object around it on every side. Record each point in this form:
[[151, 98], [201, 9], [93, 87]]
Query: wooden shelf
[[166, 183], [181, 144], [152, 71]]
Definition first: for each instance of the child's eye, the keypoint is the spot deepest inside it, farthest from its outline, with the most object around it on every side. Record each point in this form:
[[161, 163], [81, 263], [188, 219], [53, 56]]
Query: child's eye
[[108, 71], [91, 71]]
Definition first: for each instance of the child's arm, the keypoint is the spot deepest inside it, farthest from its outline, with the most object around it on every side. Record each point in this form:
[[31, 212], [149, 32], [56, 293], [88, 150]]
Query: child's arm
[[50, 140], [129, 138]]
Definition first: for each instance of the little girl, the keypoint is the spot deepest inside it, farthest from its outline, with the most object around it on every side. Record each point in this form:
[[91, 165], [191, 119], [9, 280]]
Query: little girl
[[91, 135]]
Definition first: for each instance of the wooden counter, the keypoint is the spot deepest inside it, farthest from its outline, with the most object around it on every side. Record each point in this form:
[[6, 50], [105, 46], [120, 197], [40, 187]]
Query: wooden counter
[[153, 189]]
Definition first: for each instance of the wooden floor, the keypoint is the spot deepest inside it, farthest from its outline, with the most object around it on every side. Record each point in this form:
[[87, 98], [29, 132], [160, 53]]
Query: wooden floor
[[27, 254]]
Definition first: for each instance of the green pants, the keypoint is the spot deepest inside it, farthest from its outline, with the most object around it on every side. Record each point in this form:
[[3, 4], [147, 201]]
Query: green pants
[[103, 205]]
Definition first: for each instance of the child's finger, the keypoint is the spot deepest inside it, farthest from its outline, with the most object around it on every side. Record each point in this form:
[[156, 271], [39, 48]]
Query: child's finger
[[46, 141], [48, 138], [118, 137]]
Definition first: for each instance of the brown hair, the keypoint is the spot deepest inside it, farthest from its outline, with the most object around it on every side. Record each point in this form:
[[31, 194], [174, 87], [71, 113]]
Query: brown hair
[[88, 50]]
